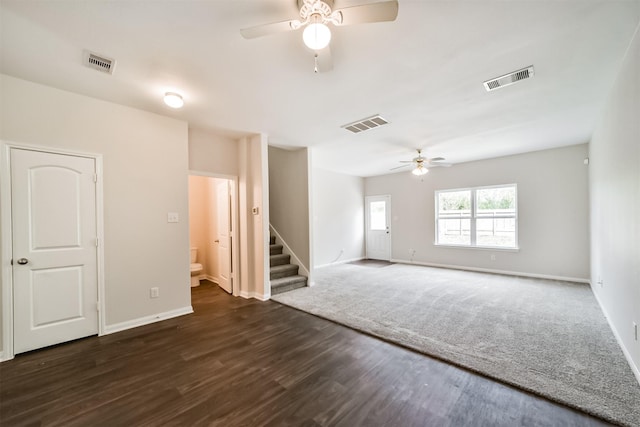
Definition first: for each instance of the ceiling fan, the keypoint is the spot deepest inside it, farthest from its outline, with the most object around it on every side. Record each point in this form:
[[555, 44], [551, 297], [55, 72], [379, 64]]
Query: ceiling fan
[[315, 15], [422, 164]]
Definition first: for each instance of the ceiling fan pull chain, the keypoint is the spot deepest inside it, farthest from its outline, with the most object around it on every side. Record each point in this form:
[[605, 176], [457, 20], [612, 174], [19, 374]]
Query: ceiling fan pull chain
[[315, 63]]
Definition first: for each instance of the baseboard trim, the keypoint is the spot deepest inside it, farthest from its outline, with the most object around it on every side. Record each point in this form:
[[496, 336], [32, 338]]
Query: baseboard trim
[[494, 271], [2, 359], [256, 295], [209, 278], [344, 261], [627, 354], [146, 320]]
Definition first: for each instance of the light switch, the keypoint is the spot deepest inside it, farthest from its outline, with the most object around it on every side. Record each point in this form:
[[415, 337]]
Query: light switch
[[173, 217]]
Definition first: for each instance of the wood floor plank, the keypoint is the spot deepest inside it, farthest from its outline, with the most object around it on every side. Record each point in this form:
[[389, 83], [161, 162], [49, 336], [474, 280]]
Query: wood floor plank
[[237, 362]]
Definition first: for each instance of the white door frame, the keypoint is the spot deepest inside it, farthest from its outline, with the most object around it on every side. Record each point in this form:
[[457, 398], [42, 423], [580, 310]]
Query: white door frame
[[6, 274], [235, 272]]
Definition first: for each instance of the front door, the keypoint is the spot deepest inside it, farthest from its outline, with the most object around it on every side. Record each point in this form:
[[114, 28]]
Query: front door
[[224, 239], [378, 236], [54, 238]]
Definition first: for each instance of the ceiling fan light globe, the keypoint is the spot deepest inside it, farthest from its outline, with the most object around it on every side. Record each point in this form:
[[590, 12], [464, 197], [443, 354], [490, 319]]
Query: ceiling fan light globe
[[316, 36], [419, 171]]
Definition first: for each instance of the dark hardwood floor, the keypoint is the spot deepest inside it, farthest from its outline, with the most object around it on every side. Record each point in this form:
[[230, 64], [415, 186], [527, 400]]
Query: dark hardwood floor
[[237, 362]]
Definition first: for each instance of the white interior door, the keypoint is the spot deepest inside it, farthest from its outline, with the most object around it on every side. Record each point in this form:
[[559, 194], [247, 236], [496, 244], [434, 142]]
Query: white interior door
[[224, 239], [54, 232], [378, 236]]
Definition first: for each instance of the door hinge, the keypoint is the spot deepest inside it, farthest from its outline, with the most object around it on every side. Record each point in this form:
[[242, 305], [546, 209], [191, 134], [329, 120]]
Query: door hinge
[[95, 177], [97, 242], [97, 305]]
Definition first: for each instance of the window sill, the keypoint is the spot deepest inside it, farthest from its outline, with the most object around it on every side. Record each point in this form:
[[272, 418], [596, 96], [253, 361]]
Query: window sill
[[480, 248]]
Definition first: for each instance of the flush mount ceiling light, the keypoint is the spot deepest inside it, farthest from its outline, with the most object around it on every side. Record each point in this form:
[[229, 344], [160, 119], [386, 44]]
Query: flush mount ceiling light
[[173, 100]]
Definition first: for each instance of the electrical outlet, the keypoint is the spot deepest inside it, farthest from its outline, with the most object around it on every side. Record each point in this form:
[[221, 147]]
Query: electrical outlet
[[154, 293], [493, 257], [173, 217], [600, 281]]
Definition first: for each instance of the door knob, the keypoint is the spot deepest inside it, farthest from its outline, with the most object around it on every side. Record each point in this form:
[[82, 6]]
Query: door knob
[[23, 261], [217, 241]]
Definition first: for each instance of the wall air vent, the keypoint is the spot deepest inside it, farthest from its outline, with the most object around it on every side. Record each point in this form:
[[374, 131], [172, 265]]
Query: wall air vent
[[509, 79], [98, 62], [365, 124]]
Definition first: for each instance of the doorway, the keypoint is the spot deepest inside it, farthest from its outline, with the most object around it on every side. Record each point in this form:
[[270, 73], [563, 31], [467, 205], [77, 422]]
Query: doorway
[[378, 229], [212, 228], [51, 228]]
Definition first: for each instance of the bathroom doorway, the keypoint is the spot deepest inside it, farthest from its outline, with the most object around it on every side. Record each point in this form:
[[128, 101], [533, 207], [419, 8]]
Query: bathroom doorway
[[212, 230]]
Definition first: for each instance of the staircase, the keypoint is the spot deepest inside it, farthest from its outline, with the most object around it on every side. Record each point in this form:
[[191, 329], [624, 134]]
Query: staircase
[[284, 275]]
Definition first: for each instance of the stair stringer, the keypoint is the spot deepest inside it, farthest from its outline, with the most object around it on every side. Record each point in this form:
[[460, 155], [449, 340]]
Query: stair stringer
[[303, 271]]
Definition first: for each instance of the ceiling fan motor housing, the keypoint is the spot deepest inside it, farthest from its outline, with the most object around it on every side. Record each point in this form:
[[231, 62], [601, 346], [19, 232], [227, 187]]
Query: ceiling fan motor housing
[[322, 10], [308, 7]]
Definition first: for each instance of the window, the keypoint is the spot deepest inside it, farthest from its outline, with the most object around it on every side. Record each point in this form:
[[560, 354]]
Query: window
[[378, 215], [483, 217]]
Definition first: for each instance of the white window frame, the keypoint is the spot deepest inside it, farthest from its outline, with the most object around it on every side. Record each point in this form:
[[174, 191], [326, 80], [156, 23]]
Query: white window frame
[[473, 217]]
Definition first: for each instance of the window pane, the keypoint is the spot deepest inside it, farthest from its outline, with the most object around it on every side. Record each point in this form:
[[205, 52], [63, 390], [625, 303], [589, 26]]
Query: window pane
[[377, 215], [496, 201], [454, 204], [498, 232], [454, 231]]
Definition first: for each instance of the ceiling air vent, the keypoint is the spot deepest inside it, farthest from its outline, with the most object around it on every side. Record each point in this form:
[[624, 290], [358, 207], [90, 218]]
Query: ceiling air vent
[[509, 79], [98, 62], [365, 124]]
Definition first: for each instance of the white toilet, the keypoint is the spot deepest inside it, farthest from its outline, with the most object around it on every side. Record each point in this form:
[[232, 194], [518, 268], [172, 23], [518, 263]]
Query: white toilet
[[196, 268]]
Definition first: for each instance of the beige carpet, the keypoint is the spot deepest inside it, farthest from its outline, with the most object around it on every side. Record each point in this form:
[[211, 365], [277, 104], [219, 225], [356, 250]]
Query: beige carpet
[[544, 336]]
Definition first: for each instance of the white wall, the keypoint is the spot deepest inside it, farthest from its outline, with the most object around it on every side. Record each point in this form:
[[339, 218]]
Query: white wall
[[614, 184], [145, 176], [289, 199], [552, 212], [212, 152], [338, 217], [254, 228]]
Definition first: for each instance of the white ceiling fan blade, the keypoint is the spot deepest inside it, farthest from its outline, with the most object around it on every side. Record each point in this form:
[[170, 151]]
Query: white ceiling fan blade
[[436, 159], [266, 29], [399, 167], [324, 60], [374, 12], [438, 165]]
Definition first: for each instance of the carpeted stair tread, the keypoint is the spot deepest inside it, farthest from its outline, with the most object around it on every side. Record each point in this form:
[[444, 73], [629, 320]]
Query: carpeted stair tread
[[285, 270], [280, 259], [286, 284], [284, 275], [275, 249]]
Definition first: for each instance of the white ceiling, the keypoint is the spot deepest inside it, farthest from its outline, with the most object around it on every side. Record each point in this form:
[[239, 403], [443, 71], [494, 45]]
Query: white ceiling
[[423, 72]]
